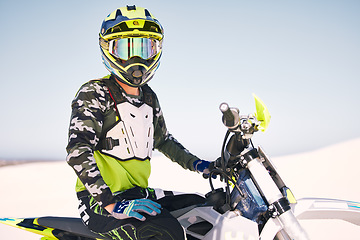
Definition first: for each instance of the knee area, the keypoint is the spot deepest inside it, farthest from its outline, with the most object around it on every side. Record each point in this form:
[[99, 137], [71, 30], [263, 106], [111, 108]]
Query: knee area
[[164, 226]]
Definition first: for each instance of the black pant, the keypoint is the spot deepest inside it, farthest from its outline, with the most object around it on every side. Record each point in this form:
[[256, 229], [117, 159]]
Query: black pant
[[162, 226]]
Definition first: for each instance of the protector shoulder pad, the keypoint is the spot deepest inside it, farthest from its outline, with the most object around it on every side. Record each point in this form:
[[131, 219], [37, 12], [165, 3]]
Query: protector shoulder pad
[[150, 97], [114, 90]]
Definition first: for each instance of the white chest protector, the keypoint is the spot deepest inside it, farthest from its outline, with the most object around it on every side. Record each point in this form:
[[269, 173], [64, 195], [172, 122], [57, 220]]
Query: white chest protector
[[134, 134]]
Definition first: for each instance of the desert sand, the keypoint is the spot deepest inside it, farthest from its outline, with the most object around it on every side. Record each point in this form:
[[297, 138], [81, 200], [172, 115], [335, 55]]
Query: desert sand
[[47, 188]]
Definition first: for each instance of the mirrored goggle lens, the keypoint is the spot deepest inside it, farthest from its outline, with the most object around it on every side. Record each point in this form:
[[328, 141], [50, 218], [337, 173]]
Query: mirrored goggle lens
[[126, 48]]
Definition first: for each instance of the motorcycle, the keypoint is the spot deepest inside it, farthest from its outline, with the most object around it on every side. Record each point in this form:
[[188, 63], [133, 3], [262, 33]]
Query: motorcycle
[[254, 203]]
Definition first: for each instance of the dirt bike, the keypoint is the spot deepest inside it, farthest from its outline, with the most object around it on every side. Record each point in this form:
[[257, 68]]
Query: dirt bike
[[254, 203]]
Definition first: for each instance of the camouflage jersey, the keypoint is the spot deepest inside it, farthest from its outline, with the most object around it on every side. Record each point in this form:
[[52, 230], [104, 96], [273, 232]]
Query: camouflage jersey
[[93, 111]]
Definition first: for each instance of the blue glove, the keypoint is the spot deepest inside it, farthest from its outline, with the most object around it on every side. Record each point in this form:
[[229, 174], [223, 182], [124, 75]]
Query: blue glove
[[132, 208], [202, 166], [205, 167]]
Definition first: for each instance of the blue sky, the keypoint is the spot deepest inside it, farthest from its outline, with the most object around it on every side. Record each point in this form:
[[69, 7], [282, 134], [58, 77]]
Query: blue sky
[[300, 57]]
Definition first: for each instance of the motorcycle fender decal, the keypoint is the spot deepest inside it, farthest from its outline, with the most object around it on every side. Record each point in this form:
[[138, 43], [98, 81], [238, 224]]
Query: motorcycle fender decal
[[354, 205], [30, 225]]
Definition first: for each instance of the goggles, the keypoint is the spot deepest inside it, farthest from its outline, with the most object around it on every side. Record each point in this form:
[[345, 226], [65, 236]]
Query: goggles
[[126, 48]]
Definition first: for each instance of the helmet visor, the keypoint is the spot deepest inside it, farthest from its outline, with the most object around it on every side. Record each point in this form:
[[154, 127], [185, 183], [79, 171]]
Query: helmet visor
[[126, 48]]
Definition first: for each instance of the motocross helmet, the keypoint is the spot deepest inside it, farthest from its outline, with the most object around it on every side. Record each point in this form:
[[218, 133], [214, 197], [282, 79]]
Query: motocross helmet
[[131, 44]]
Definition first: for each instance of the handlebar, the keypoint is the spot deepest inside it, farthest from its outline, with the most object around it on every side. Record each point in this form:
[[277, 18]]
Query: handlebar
[[244, 124], [230, 116]]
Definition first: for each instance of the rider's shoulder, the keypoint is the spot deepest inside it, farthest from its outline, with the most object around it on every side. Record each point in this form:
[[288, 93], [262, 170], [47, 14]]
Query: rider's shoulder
[[94, 87], [96, 83]]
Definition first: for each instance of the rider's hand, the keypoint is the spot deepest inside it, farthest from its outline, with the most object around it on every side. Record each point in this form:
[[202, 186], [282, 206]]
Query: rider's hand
[[133, 208], [203, 167]]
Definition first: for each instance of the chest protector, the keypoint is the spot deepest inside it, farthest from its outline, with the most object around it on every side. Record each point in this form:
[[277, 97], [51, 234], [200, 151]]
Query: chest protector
[[132, 135]]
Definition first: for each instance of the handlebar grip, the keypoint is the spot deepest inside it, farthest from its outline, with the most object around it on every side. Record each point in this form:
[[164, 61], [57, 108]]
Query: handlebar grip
[[230, 119]]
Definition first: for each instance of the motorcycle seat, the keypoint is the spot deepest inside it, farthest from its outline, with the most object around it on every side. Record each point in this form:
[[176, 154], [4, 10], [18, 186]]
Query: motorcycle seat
[[68, 226]]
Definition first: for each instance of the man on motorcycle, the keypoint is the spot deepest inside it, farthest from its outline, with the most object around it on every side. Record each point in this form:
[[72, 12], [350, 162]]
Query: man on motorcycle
[[116, 122]]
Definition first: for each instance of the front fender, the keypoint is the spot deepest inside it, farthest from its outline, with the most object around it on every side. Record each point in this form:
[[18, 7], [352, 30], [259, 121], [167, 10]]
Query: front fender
[[323, 208]]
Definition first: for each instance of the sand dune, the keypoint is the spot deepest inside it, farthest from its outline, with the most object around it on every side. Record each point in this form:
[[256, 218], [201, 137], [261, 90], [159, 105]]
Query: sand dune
[[47, 188]]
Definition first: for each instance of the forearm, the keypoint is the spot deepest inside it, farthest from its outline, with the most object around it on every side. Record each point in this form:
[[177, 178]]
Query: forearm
[[175, 151]]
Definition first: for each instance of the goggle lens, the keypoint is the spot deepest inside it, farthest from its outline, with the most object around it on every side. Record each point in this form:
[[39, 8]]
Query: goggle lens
[[126, 48]]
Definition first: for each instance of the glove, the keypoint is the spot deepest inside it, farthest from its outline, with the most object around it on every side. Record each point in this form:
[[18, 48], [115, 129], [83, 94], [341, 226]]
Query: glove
[[202, 166], [205, 167], [133, 208]]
